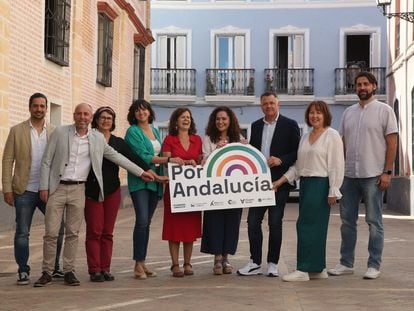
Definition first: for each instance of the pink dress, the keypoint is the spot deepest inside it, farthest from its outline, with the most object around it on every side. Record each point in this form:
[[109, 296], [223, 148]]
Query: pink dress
[[181, 227]]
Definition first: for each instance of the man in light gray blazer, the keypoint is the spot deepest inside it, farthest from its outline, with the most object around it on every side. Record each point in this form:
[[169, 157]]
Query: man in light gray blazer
[[70, 154]]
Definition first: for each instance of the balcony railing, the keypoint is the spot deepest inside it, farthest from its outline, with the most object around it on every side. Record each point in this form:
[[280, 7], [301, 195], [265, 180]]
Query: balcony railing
[[173, 81], [345, 79], [230, 81], [289, 81]]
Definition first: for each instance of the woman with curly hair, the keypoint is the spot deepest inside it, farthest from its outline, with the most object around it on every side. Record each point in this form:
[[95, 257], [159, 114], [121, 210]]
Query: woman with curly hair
[[221, 227]]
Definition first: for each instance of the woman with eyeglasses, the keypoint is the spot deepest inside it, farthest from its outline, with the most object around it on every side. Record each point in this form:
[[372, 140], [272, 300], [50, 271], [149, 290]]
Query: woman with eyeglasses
[[100, 216]]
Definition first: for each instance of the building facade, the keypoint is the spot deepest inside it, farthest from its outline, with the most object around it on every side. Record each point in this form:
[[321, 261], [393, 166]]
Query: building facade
[[73, 51], [400, 84], [213, 52]]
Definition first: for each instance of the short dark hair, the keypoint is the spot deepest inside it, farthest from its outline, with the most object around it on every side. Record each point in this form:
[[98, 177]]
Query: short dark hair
[[136, 105], [233, 131], [37, 95], [98, 113], [268, 93], [172, 127], [321, 106], [371, 78]]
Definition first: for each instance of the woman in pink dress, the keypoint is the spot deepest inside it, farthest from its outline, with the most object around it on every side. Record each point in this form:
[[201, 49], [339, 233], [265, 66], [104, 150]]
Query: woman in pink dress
[[182, 143]]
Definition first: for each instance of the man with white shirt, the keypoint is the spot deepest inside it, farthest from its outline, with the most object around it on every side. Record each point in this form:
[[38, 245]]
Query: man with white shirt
[[22, 155], [369, 131], [73, 150]]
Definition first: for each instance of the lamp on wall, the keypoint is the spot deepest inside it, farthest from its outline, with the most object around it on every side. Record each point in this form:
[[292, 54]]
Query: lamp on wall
[[385, 4]]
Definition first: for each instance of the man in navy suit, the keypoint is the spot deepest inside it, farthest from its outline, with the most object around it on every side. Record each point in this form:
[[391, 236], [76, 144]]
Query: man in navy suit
[[277, 137]]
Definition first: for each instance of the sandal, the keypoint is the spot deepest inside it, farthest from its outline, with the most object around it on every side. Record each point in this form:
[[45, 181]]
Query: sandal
[[188, 269], [227, 267], [177, 273], [218, 267], [149, 273]]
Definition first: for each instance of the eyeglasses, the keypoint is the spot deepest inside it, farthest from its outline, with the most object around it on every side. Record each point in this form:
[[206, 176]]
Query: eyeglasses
[[103, 119]]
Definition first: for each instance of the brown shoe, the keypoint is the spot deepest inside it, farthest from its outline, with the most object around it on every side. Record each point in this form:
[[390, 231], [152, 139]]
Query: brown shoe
[[188, 269], [139, 272], [176, 272], [44, 280]]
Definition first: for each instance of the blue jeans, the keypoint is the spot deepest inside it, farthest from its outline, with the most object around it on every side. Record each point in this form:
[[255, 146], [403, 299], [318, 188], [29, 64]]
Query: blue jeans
[[145, 201], [254, 228], [353, 190], [25, 205]]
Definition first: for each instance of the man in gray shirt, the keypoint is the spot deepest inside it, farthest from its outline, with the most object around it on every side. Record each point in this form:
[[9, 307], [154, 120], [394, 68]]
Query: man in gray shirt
[[369, 131]]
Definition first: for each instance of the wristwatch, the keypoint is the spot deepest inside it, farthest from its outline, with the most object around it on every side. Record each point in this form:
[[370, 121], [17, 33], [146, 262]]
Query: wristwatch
[[387, 172]]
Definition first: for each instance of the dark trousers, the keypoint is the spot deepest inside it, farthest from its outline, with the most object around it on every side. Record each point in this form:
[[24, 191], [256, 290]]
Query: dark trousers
[[221, 231], [254, 226], [100, 220]]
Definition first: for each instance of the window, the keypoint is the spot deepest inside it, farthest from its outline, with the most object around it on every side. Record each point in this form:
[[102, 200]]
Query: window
[[230, 51], [172, 51], [139, 71], [57, 25], [105, 42]]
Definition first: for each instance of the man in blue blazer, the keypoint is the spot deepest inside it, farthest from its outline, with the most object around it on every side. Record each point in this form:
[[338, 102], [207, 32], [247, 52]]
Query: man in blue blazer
[[72, 151], [277, 137]]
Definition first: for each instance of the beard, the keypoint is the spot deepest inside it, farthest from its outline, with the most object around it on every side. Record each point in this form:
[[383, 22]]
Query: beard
[[365, 95]]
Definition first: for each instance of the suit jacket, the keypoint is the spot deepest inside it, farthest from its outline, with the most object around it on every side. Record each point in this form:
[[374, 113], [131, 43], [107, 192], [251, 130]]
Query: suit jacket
[[18, 152], [284, 145], [57, 152]]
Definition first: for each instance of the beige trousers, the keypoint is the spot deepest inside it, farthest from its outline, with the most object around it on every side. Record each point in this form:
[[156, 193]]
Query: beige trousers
[[68, 199]]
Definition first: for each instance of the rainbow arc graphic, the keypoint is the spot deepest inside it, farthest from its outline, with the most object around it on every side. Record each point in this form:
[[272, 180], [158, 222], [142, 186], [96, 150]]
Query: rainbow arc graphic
[[236, 157]]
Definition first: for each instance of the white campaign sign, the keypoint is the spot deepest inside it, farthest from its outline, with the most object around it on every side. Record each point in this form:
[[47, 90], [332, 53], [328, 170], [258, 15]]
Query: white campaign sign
[[234, 176]]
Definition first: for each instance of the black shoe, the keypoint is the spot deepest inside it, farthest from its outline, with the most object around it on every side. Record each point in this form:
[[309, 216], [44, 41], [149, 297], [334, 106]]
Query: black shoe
[[70, 279], [45, 279], [108, 276], [97, 277], [23, 278], [57, 274]]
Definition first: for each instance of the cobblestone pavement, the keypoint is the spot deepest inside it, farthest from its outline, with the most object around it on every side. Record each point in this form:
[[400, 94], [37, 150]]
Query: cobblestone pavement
[[394, 290]]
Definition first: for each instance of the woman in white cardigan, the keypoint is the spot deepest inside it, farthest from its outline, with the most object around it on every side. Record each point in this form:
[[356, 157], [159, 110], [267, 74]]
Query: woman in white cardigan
[[320, 168]]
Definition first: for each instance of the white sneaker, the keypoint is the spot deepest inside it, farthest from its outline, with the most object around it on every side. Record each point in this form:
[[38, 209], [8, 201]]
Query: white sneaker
[[272, 269], [372, 274], [318, 275], [250, 269], [340, 270], [296, 276]]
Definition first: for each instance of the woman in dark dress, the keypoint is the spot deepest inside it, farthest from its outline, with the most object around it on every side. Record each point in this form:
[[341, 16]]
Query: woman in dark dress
[[221, 227]]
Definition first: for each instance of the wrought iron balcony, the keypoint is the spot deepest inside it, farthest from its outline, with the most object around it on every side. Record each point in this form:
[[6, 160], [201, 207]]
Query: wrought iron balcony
[[289, 81], [173, 81], [345, 79], [229, 81]]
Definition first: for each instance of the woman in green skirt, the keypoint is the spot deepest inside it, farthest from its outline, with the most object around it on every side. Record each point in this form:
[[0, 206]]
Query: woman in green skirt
[[320, 167]]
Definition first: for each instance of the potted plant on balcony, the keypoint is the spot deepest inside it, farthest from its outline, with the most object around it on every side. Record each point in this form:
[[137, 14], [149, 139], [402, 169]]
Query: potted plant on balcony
[[210, 87], [250, 87], [269, 82]]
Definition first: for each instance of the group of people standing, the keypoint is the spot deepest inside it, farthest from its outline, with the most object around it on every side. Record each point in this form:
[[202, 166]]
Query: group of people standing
[[74, 172]]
